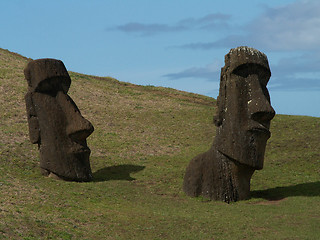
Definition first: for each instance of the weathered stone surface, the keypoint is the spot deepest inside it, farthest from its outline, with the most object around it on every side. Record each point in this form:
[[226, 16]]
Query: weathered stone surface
[[55, 122], [243, 120]]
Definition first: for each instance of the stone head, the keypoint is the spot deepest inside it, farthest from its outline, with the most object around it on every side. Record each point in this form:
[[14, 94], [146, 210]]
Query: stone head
[[55, 122], [244, 110]]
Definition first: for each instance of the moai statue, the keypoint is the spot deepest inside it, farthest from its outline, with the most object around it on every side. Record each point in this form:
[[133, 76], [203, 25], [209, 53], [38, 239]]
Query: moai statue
[[243, 120], [55, 122]]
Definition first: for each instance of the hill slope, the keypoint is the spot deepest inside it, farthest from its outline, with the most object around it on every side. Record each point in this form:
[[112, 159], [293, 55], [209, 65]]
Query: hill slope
[[143, 140]]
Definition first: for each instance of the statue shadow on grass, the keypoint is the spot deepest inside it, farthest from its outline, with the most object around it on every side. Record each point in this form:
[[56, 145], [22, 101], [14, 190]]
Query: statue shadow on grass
[[119, 172], [311, 189]]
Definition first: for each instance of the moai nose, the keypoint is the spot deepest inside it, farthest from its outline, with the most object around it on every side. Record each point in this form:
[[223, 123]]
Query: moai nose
[[78, 128], [259, 106]]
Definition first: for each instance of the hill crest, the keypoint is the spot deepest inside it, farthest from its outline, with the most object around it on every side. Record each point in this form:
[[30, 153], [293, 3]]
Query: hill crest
[[144, 138]]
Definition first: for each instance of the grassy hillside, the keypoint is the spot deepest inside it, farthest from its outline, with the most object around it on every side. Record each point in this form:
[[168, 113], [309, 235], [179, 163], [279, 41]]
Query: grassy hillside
[[143, 140]]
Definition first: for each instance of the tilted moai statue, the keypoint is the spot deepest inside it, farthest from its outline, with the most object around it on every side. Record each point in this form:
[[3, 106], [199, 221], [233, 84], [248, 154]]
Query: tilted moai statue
[[243, 120], [55, 122]]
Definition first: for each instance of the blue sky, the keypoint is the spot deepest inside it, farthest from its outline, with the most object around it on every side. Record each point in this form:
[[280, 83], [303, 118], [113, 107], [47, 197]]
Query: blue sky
[[177, 43]]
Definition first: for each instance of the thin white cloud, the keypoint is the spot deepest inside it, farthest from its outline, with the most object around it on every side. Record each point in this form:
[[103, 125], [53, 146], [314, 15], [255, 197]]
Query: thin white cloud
[[292, 27], [294, 84], [209, 72], [148, 29], [308, 62], [300, 72], [208, 22]]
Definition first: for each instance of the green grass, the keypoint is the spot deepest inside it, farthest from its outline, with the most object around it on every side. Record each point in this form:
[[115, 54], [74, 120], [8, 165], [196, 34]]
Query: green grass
[[143, 140]]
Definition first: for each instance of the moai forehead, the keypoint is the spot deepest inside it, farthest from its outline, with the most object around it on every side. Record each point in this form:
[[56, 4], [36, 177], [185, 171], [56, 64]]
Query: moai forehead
[[47, 75], [245, 56]]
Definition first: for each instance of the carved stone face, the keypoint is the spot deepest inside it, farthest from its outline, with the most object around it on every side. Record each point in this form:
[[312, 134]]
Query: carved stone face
[[55, 122], [244, 109]]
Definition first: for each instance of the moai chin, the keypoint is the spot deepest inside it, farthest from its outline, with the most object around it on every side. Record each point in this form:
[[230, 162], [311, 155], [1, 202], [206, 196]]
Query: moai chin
[[243, 120], [55, 122]]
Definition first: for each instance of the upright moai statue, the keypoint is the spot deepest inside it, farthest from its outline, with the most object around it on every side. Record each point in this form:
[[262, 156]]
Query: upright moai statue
[[55, 122], [243, 120]]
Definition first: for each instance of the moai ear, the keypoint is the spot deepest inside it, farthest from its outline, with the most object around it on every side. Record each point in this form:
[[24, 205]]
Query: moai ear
[[34, 130]]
